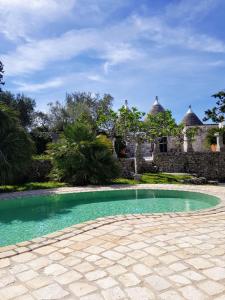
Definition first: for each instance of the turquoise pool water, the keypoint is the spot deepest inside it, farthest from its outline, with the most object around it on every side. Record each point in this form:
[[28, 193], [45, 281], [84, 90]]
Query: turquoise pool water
[[25, 218]]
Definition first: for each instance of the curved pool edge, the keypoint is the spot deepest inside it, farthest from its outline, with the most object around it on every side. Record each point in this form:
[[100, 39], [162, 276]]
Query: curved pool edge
[[69, 232]]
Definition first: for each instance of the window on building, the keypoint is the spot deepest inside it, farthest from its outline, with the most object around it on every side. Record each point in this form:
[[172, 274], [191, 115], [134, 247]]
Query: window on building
[[163, 145]]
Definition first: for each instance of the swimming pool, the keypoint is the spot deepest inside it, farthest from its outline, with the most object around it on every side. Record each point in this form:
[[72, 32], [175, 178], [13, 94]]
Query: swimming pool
[[25, 218]]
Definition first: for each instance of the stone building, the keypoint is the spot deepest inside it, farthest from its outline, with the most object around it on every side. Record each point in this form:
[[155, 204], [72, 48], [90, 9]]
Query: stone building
[[169, 144]]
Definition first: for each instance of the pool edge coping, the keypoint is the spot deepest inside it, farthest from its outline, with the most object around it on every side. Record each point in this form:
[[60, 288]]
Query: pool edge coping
[[77, 229]]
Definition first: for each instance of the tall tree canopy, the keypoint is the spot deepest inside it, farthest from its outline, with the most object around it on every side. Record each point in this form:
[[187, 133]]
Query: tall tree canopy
[[217, 113], [1, 75], [23, 105], [16, 147], [86, 107]]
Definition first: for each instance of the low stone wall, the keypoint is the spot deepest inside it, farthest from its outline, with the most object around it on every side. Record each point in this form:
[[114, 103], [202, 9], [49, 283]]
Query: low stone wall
[[209, 165]]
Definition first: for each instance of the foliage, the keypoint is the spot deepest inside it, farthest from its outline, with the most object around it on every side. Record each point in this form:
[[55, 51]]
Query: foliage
[[20, 103], [211, 138], [80, 158], [83, 107], [105, 141], [129, 124], [41, 137], [107, 121], [149, 178], [1, 75], [217, 113], [31, 186], [161, 125], [16, 146]]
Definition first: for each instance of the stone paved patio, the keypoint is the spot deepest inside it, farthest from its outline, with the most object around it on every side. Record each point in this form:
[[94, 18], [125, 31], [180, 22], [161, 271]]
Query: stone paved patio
[[140, 257]]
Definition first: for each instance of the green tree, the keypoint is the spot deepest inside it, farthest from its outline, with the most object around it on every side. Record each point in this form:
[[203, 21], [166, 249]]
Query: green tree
[[1, 75], [164, 125], [23, 105], [161, 125], [130, 127], [80, 158], [16, 147], [79, 106], [217, 113]]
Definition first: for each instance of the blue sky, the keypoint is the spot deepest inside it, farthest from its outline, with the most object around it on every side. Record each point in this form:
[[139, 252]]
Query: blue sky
[[132, 49]]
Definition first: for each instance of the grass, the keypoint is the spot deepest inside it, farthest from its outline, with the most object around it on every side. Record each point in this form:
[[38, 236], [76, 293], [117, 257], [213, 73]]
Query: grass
[[154, 178], [30, 186], [147, 178]]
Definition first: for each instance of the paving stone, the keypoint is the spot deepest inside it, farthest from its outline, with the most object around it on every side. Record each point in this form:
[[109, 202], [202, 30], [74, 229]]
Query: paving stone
[[82, 288], [137, 293], [4, 281], [212, 288], [53, 291], [129, 279], [116, 270], [178, 267], [193, 275], [56, 256], [4, 263], [27, 275], [45, 250], [179, 279], [92, 297], [94, 275], [70, 261], [170, 295], [25, 297], [114, 293], [39, 263], [104, 263], [216, 273], [141, 269], [39, 282], [127, 261], [54, 269], [106, 282], [68, 277], [158, 283], [199, 263], [84, 267], [112, 255], [18, 268], [12, 291], [23, 258], [190, 292]]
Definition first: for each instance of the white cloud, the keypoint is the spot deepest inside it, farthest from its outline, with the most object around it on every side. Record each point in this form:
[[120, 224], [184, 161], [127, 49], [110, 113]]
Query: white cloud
[[156, 30], [53, 83], [34, 56], [19, 18], [135, 39], [119, 54], [190, 10], [34, 87]]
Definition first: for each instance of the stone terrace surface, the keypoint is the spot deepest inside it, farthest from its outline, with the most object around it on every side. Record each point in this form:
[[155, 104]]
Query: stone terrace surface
[[140, 257]]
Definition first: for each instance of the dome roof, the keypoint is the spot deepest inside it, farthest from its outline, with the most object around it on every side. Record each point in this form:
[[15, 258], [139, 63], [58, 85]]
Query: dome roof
[[191, 119], [157, 107]]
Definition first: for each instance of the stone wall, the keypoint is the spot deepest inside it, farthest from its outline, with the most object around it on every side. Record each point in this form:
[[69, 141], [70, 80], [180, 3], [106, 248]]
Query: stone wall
[[209, 165]]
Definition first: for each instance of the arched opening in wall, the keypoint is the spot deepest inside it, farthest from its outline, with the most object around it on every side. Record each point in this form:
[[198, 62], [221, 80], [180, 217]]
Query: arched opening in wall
[[163, 144]]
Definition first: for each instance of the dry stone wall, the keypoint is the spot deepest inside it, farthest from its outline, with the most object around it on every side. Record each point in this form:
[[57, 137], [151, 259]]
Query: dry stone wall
[[209, 165]]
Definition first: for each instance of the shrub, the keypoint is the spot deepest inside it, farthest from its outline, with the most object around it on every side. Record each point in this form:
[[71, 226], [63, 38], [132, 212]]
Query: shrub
[[80, 158]]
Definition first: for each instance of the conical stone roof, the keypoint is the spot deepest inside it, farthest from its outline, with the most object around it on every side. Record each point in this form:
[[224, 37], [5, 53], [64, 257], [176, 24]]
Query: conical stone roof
[[191, 119], [157, 107]]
